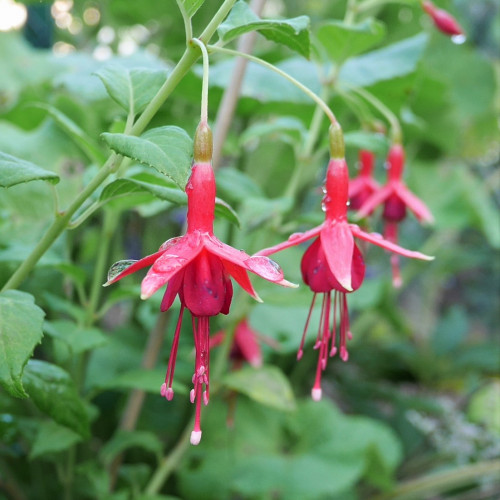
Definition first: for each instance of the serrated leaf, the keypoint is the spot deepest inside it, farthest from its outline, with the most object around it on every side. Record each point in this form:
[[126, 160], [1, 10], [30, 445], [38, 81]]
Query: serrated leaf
[[122, 188], [14, 171], [167, 149], [77, 338], [83, 141], [392, 61], [293, 33], [134, 88], [342, 40], [123, 440], [191, 6], [53, 438], [266, 385], [55, 394], [20, 331]]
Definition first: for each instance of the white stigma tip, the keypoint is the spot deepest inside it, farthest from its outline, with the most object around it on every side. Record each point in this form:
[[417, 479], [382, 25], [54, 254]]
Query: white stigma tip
[[316, 394], [195, 437]]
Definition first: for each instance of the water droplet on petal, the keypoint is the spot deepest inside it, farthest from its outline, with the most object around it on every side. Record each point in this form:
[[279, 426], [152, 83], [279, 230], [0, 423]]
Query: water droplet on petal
[[323, 188], [169, 243], [265, 268], [458, 39], [323, 206], [118, 267]]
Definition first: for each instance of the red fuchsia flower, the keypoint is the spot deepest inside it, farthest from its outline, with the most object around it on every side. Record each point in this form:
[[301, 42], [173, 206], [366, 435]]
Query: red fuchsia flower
[[364, 185], [396, 198], [198, 268], [333, 262], [245, 348], [442, 19]]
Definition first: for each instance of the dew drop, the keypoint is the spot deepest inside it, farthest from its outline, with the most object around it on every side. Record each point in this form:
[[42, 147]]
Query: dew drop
[[323, 206], [458, 39], [118, 267], [169, 243]]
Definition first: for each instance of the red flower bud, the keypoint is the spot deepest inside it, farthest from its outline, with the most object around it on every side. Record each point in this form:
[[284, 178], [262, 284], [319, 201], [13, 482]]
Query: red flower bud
[[442, 19]]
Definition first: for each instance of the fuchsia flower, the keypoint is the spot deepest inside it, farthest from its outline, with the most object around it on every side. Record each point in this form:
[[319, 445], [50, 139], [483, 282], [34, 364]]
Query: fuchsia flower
[[245, 348], [442, 19], [333, 262], [396, 197], [198, 268], [364, 185]]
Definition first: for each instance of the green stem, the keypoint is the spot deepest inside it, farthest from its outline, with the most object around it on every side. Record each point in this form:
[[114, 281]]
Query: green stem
[[384, 110], [107, 231], [60, 223], [328, 112], [204, 84], [188, 28], [350, 12], [170, 462], [442, 482], [370, 4]]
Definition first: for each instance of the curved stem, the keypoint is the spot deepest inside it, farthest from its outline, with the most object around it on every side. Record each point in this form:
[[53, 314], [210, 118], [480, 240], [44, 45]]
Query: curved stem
[[204, 84], [328, 112], [370, 4], [384, 110]]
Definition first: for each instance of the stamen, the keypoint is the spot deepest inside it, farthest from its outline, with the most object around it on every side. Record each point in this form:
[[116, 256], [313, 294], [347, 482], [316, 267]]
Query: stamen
[[334, 327], [169, 376], [300, 352]]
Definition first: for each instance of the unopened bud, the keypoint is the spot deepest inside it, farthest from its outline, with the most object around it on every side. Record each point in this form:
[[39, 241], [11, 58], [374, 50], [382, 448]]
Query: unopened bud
[[336, 138], [203, 144]]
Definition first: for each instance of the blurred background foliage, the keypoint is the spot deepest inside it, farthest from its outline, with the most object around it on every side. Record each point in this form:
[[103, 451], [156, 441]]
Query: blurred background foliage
[[420, 394]]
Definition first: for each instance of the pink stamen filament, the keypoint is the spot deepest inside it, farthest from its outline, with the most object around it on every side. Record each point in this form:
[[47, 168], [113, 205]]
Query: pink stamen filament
[[300, 352], [169, 376]]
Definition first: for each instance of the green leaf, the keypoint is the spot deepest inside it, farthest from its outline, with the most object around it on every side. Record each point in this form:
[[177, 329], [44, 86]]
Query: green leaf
[[167, 149], [55, 394], [266, 385], [133, 89], [236, 185], [53, 438], [191, 6], [20, 331], [14, 171], [359, 139], [293, 33], [123, 188], [342, 40], [123, 440], [390, 62], [82, 140], [77, 338], [484, 408], [451, 331]]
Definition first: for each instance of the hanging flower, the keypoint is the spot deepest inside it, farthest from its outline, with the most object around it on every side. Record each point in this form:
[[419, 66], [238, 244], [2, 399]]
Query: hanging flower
[[198, 268], [442, 19], [245, 347], [364, 185], [334, 262], [396, 198]]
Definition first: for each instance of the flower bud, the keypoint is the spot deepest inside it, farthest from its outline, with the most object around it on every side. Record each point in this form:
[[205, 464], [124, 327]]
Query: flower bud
[[443, 20], [336, 138], [203, 144]]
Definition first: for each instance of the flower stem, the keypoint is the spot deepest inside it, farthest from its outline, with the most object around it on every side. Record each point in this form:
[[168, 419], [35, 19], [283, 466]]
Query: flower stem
[[170, 461], [328, 112], [384, 110], [204, 85]]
